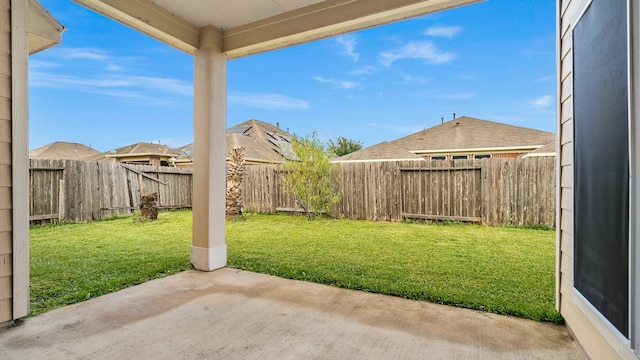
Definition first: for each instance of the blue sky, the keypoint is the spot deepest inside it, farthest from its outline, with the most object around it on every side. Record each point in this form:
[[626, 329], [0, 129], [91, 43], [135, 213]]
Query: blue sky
[[108, 86]]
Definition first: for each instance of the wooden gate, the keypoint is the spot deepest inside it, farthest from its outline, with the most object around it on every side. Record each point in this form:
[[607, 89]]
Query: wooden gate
[[442, 193], [46, 195]]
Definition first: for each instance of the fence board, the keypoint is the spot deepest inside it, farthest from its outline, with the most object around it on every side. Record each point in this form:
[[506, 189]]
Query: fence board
[[499, 191], [94, 190]]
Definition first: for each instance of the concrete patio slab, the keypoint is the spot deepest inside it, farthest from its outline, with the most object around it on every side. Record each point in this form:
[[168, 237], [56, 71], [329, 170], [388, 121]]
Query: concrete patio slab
[[233, 314]]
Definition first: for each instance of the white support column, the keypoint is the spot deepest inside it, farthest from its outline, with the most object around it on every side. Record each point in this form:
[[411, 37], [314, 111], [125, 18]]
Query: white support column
[[208, 247], [20, 156]]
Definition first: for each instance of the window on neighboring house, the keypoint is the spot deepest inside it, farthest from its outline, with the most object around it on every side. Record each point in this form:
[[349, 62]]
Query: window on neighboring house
[[439, 157], [460, 157], [482, 156]]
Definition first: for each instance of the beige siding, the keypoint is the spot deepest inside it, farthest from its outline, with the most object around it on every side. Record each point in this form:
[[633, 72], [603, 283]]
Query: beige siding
[[6, 285], [598, 340]]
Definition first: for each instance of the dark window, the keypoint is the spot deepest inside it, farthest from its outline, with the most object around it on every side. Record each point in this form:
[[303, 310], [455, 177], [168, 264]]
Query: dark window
[[439, 157], [460, 157], [601, 160], [482, 156]]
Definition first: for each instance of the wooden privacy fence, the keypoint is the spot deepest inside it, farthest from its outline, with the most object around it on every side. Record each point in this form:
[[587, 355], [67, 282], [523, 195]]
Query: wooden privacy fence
[[69, 190], [491, 191]]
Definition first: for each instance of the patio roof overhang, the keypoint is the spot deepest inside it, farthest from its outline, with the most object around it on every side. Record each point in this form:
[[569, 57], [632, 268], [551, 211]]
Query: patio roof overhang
[[253, 26], [43, 30]]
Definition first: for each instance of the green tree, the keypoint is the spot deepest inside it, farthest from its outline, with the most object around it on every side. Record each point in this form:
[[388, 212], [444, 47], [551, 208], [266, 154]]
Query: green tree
[[343, 146], [311, 178]]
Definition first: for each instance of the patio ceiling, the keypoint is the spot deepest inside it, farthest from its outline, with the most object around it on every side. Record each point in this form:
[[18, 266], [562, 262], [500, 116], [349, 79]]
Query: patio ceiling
[[253, 26]]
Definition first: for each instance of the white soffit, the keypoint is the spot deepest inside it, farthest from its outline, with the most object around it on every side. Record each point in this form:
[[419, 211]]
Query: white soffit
[[225, 14], [253, 26], [43, 30]]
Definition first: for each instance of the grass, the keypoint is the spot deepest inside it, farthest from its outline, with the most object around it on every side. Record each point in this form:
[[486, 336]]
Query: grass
[[500, 270], [74, 262]]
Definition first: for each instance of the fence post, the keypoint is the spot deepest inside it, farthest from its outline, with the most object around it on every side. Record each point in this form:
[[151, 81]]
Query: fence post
[[62, 208]]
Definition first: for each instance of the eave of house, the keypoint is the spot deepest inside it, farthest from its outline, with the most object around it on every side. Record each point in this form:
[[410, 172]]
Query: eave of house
[[140, 155], [509, 149], [373, 160], [43, 30], [543, 154], [254, 161], [254, 26]]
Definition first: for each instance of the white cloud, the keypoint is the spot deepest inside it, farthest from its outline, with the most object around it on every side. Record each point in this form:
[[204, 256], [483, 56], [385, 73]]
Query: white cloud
[[149, 84], [40, 64], [140, 98], [114, 67], [543, 101], [348, 43], [365, 70], [133, 89], [55, 81], [344, 84], [173, 86], [268, 101], [88, 54], [443, 31], [455, 96], [82, 53], [467, 76], [424, 50], [416, 80]]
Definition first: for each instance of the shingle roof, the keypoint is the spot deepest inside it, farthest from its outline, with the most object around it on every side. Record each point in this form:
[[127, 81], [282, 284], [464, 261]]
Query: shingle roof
[[60, 150], [383, 151], [258, 129], [262, 141], [143, 148], [469, 133], [547, 150], [185, 152], [255, 150]]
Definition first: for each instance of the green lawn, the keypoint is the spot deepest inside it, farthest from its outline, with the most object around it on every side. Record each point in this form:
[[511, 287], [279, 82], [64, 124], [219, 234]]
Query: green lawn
[[74, 262], [501, 270]]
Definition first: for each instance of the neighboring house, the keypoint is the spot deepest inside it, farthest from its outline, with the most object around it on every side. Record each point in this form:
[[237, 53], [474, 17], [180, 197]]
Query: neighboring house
[[470, 138], [459, 139], [185, 156], [60, 150], [383, 151], [144, 154], [548, 150], [263, 143]]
